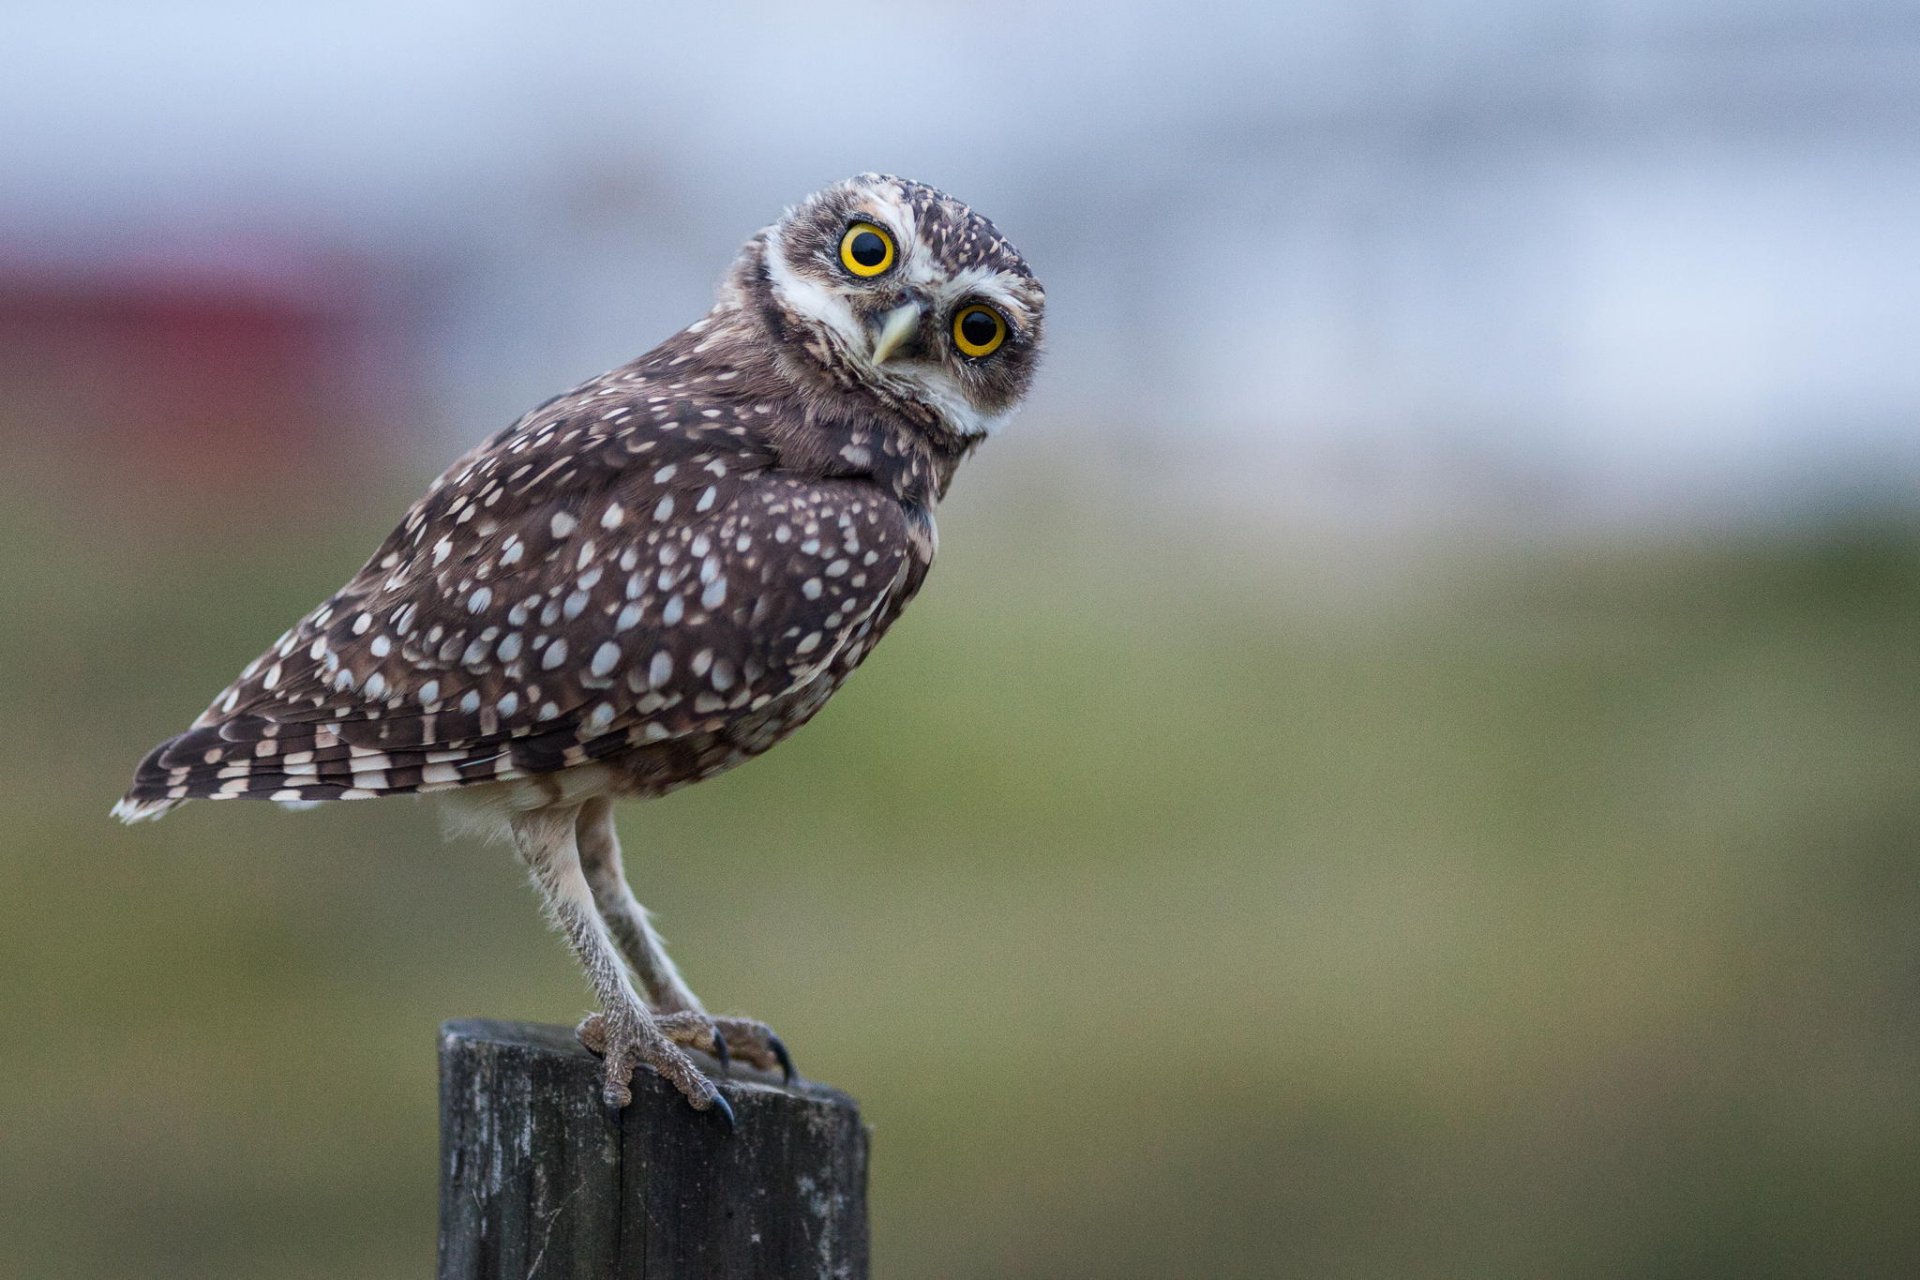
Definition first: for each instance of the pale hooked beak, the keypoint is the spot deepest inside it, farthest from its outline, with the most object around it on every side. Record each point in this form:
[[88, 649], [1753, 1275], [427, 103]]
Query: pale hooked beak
[[900, 324]]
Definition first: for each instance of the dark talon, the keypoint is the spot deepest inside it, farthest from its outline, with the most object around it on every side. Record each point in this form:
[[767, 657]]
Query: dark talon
[[720, 1052], [786, 1059], [722, 1113]]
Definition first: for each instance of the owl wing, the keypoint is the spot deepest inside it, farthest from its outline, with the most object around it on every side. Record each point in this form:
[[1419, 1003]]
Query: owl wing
[[561, 595]]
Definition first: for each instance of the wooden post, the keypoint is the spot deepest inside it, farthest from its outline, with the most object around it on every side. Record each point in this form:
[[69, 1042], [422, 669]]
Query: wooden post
[[537, 1179]]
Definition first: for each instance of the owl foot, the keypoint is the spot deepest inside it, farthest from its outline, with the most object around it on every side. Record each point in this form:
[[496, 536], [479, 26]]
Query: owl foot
[[728, 1038], [626, 1038]]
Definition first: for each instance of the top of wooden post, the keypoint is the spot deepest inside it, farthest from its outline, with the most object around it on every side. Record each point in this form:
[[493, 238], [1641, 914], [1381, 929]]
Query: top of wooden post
[[538, 1178]]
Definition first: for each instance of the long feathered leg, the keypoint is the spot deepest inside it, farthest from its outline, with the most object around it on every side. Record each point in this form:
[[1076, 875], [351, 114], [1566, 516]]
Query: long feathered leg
[[681, 1016], [626, 919], [629, 1033]]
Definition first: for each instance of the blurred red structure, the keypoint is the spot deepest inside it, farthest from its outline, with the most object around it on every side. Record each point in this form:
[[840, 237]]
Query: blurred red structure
[[192, 371]]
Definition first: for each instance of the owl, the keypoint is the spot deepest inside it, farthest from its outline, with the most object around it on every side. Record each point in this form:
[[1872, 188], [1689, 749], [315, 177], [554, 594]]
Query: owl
[[649, 579]]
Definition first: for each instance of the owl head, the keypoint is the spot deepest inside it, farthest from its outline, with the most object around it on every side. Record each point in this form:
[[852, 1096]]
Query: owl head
[[899, 289]]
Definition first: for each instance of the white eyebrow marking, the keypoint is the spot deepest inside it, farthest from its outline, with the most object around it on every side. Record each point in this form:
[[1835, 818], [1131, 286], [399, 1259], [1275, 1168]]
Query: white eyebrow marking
[[990, 285]]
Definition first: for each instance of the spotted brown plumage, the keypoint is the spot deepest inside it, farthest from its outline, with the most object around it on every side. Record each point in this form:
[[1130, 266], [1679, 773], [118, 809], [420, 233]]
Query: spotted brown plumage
[[652, 593], [651, 578]]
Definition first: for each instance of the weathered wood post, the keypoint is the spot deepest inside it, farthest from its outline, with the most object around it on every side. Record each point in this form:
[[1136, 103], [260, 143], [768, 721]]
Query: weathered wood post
[[538, 1180]]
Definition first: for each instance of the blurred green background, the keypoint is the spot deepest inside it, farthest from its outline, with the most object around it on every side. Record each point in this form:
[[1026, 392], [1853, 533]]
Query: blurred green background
[[1408, 764], [1175, 905]]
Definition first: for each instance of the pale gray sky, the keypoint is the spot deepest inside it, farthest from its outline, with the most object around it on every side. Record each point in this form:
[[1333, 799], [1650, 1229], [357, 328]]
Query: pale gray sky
[[1662, 253]]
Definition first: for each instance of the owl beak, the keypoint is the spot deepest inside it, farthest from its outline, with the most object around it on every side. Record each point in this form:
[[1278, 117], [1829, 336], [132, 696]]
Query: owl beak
[[897, 328]]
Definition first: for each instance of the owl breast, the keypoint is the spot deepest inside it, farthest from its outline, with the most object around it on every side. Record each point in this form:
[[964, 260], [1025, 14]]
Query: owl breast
[[666, 766]]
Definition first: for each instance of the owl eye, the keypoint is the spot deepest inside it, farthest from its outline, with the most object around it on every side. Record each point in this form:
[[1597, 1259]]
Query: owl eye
[[978, 330], [866, 250]]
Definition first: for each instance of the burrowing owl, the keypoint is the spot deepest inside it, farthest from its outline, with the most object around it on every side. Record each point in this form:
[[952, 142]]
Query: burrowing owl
[[651, 578]]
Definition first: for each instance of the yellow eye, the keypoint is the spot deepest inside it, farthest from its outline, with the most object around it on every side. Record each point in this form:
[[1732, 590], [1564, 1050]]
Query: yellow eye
[[866, 250], [978, 330]]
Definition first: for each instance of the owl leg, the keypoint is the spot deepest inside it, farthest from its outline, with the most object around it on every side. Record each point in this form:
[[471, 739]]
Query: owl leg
[[626, 919], [629, 1033], [679, 1014]]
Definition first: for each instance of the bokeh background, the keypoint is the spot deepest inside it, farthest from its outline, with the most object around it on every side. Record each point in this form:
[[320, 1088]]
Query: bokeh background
[[1409, 764]]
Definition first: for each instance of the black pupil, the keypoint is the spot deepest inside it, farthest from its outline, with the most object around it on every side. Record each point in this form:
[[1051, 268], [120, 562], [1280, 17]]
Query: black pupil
[[868, 249], [978, 328]]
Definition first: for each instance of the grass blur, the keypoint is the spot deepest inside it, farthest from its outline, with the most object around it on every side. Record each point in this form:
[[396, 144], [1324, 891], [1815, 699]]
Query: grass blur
[[1176, 906]]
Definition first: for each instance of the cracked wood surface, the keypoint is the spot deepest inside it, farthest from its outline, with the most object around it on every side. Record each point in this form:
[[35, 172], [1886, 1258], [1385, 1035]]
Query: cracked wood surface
[[539, 1180]]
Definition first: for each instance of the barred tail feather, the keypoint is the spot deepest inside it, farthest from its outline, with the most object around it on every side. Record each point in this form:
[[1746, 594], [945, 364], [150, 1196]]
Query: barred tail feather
[[132, 809], [297, 763]]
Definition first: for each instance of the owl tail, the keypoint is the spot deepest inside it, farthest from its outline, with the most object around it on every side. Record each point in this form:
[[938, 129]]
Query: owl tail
[[132, 809]]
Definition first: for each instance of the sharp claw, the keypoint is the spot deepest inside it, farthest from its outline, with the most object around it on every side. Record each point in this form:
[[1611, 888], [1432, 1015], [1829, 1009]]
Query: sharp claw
[[786, 1059], [722, 1113], [720, 1052]]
